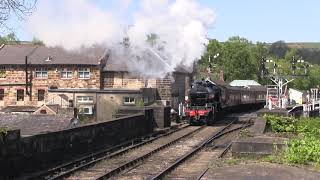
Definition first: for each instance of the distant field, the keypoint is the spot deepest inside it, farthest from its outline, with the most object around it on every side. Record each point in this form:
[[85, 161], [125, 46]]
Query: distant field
[[306, 45]]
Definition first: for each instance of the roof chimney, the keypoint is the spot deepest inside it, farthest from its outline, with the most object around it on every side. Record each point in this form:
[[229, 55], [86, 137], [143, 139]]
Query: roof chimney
[[49, 58]]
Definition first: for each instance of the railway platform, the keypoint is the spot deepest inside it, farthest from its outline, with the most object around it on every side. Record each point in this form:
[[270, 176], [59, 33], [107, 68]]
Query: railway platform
[[266, 171]]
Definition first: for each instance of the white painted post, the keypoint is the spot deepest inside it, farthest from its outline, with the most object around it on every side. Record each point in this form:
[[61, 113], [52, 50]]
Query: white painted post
[[270, 104]]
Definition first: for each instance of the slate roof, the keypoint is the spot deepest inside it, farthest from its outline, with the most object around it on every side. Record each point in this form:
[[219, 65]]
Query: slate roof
[[34, 124], [12, 109], [118, 63], [37, 54]]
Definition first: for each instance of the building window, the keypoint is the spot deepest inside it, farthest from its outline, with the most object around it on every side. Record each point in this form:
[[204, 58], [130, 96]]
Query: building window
[[87, 110], [85, 99], [1, 94], [84, 73], [41, 94], [41, 73], [2, 72], [20, 95], [66, 73], [129, 100]]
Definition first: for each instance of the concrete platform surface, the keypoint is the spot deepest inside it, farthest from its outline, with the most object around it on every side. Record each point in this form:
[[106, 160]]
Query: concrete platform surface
[[261, 145], [261, 171]]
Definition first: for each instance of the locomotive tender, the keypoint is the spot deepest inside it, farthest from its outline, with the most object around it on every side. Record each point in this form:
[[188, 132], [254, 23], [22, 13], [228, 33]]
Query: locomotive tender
[[208, 98]]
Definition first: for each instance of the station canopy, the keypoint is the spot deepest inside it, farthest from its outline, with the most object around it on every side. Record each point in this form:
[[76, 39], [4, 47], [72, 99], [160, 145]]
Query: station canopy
[[244, 83]]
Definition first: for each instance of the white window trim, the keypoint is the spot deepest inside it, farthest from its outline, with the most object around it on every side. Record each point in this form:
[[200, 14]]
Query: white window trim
[[66, 71], [42, 71], [83, 71], [87, 107], [132, 100], [84, 99]]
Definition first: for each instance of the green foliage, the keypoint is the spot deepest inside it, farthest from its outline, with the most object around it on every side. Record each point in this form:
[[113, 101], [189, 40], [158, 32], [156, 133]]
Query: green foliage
[[4, 130], [11, 37], [36, 41], [139, 103], [281, 124], [305, 148], [241, 59], [238, 58]]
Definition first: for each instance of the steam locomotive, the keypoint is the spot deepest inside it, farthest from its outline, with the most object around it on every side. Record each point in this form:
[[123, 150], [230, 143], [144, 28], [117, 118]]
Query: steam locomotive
[[207, 98]]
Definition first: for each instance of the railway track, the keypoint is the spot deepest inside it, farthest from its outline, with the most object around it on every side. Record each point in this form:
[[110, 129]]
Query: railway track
[[153, 159], [68, 168], [196, 167], [93, 168]]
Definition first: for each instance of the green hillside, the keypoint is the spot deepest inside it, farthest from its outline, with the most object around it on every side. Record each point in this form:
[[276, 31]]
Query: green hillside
[[305, 45]]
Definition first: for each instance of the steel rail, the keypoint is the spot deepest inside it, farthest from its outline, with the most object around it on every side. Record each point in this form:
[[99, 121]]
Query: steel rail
[[224, 152], [66, 169], [215, 136], [119, 169]]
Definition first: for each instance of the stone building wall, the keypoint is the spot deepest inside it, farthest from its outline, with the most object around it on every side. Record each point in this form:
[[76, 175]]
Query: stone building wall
[[171, 90], [16, 75]]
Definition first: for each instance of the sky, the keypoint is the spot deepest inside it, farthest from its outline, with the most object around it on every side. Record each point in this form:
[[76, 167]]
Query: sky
[[256, 20]]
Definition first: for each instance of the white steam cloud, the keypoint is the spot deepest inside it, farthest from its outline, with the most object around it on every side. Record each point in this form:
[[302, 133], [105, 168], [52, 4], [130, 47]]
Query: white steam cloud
[[177, 31]]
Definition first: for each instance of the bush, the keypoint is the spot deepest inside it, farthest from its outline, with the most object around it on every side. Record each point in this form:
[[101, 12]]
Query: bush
[[281, 124], [303, 150]]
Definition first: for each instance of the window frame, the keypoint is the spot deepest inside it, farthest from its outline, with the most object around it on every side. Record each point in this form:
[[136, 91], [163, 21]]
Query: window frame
[[84, 99], [131, 100], [82, 73], [66, 71], [44, 94], [19, 95], [42, 71]]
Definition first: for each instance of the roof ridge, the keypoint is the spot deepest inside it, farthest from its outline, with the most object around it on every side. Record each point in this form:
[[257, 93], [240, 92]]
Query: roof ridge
[[1, 46]]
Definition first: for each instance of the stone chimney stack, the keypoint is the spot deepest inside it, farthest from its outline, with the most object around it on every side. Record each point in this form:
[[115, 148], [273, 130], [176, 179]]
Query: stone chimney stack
[[221, 75]]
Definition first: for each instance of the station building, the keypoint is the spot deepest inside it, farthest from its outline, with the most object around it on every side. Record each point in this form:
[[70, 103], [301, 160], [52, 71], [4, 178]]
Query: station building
[[86, 79]]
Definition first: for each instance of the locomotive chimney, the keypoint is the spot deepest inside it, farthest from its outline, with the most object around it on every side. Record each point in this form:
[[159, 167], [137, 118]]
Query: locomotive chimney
[[221, 75]]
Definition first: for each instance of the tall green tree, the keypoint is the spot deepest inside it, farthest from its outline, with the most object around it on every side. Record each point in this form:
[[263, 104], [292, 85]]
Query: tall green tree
[[237, 60]]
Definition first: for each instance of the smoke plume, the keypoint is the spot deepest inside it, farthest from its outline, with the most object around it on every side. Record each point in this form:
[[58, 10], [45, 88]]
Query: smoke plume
[[160, 35]]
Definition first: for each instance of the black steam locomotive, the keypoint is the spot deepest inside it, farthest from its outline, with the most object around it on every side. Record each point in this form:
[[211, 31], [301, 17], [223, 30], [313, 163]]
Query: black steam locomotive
[[208, 98]]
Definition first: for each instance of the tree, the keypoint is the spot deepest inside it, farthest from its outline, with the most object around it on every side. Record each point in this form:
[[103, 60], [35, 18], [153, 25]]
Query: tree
[[152, 39], [9, 38], [20, 8], [237, 60], [37, 41]]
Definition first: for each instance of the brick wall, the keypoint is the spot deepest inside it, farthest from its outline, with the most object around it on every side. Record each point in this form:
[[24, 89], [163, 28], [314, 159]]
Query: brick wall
[[16, 75]]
